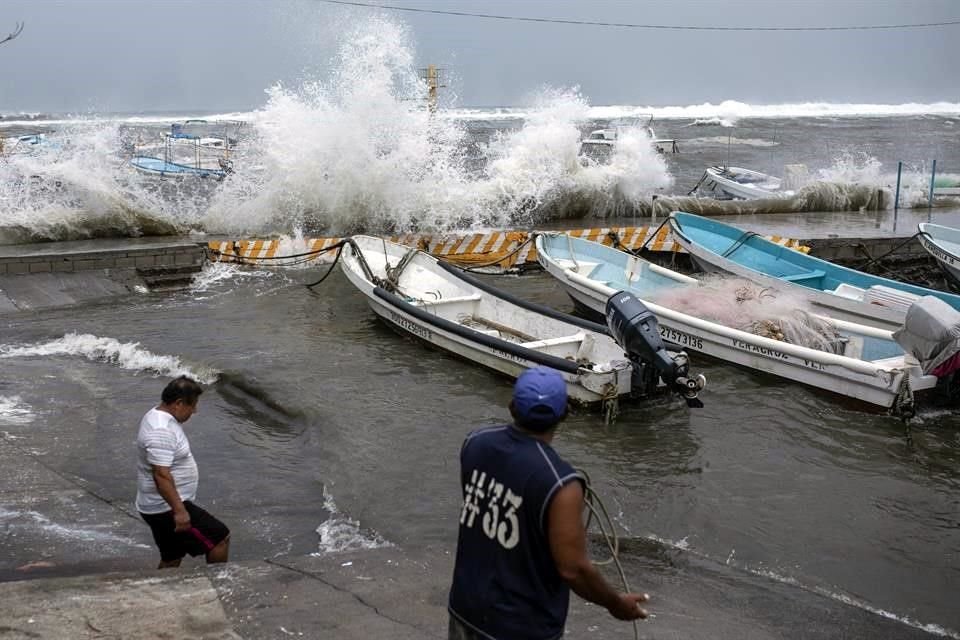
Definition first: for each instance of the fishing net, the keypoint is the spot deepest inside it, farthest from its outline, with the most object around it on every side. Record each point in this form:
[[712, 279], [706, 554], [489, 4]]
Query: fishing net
[[762, 311]]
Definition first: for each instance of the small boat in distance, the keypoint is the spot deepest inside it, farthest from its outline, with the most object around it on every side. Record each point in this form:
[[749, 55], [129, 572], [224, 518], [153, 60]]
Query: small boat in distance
[[599, 144], [194, 148], [440, 304], [841, 292], [847, 359], [726, 183], [943, 243]]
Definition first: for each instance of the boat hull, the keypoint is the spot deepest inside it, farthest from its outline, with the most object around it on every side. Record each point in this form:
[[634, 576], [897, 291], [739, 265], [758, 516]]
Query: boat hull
[[817, 280], [764, 186], [943, 243], [844, 376], [584, 386]]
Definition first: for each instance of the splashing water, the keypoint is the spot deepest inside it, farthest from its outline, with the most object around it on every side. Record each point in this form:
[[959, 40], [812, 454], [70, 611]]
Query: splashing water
[[358, 150], [126, 355], [339, 533], [14, 411]]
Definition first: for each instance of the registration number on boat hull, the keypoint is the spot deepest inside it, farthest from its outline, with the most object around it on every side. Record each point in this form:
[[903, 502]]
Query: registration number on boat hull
[[683, 339]]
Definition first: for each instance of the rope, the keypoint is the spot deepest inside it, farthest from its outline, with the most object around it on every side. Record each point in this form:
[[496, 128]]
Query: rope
[[652, 236], [336, 259], [530, 239], [596, 509], [743, 239], [627, 25], [573, 256], [903, 404], [902, 244], [236, 257]]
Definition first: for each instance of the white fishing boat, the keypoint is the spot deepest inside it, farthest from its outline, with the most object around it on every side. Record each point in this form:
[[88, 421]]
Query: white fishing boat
[[439, 304], [855, 361], [599, 144], [943, 243], [724, 183]]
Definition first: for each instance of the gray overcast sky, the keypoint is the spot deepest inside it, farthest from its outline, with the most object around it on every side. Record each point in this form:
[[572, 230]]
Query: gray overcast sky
[[147, 55]]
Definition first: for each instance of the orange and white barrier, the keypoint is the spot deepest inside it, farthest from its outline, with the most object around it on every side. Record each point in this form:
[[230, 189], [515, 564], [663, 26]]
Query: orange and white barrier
[[504, 249]]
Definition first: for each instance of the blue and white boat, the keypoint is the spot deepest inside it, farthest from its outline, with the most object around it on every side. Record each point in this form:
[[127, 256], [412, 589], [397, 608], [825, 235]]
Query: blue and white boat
[[943, 243], [163, 168], [853, 360], [189, 149], [840, 292]]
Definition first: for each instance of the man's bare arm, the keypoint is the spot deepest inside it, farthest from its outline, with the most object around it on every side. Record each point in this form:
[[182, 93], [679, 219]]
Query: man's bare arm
[[168, 490], [568, 544]]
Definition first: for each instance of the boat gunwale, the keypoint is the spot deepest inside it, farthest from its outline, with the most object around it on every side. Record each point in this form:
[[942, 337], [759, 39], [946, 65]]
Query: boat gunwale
[[855, 365]]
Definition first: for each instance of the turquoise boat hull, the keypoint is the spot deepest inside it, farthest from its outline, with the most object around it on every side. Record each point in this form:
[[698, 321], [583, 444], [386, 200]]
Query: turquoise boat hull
[[842, 292]]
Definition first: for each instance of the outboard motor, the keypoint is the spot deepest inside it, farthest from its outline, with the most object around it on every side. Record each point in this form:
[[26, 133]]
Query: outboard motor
[[635, 328], [931, 334]]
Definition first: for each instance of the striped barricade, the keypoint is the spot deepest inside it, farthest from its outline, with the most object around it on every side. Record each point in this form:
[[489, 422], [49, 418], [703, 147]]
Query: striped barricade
[[502, 249]]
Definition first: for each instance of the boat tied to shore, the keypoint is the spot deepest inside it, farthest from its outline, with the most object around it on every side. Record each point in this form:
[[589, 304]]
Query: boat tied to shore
[[943, 243], [840, 292], [442, 305], [864, 363]]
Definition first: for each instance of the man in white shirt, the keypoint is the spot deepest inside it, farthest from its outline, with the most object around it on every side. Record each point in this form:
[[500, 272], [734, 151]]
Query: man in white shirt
[[167, 481]]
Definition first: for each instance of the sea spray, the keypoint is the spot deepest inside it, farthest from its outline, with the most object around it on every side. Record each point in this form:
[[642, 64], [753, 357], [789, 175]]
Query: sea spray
[[340, 533], [126, 355]]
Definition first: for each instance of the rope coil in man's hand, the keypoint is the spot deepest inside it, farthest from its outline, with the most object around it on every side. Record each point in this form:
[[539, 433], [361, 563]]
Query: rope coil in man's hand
[[598, 510]]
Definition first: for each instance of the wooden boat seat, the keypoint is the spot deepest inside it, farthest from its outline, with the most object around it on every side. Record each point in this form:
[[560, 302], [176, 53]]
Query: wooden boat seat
[[467, 298], [552, 342], [806, 275]]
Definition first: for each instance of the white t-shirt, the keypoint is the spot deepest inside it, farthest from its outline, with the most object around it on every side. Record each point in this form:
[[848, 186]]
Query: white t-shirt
[[162, 442]]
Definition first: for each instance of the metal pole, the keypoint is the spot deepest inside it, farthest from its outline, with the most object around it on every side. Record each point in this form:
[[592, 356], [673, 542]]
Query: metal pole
[[933, 175], [896, 197]]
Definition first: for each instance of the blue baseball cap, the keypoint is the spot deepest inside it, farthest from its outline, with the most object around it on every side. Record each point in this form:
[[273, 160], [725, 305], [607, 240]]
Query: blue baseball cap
[[540, 397]]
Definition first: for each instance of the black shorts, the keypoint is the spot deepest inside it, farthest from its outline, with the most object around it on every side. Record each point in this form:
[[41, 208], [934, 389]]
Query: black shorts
[[204, 534]]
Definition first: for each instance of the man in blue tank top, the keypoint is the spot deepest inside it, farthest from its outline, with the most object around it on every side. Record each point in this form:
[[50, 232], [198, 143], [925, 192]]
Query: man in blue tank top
[[522, 544]]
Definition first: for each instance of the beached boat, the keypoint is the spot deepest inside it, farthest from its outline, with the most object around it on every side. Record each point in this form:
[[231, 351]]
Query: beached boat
[[738, 183], [943, 243], [852, 360], [599, 144], [440, 304], [841, 292]]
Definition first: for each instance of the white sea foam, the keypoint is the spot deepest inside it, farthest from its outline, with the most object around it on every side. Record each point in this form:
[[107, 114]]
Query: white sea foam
[[14, 411], [214, 273], [339, 533], [127, 355], [729, 111], [731, 140], [35, 520]]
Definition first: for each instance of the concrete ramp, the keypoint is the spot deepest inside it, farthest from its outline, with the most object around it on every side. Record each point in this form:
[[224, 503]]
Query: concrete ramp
[[167, 605]]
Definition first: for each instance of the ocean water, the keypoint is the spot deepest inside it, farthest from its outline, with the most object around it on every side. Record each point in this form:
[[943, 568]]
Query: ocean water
[[322, 430]]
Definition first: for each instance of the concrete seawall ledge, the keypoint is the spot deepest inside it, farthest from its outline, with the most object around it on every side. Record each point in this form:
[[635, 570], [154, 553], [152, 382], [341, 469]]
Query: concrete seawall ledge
[[68, 273]]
